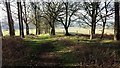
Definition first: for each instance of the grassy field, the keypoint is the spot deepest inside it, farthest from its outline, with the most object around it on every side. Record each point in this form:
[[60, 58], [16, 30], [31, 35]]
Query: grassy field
[[44, 50], [72, 30]]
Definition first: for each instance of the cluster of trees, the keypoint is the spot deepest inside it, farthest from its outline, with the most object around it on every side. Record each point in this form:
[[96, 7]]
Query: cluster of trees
[[46, 15]]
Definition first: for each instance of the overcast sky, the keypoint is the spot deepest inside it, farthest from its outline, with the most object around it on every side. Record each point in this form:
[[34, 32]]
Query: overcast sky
[[3, 13]]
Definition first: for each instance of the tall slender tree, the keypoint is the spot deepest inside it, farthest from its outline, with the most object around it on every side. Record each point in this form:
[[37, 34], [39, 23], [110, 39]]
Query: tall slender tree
[[25, 19], [20, 17], [18, 5], [35, 7], [10, 20]]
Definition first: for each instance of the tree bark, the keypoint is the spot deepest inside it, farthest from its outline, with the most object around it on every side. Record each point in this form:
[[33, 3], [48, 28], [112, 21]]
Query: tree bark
[[104, 21], [67, 33], [93, 16], [36, 20], [93, 27], [66, 21], [18, 4], [53, 30], [92, 33], [10, 20], [103, 31], [22, 27], [25, 19], [1, 34], [116, 24], [27, 29]]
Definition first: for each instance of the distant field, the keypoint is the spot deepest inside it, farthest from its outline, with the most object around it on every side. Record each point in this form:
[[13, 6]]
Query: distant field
[[73, 30], [83, 30]]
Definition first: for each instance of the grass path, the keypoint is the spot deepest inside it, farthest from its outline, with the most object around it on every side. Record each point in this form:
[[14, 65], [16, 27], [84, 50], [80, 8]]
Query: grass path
[[62, 51]]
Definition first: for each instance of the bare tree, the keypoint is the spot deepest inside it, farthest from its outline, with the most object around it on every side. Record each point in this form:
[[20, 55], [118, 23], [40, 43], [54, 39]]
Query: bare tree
[[51, 12], [35, 10], [69, 10], [20, 17], [10, 20], [93, 15], [104, 16], [26, 19]]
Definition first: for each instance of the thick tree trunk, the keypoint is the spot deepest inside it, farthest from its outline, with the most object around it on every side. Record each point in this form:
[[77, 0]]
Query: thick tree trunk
[[10, 20], [53, 31], [116, 24], [103, 31], [18, 4], [93, 27], [27, 29], [92, 33], [67, 33], [22, 27], [94, 16]]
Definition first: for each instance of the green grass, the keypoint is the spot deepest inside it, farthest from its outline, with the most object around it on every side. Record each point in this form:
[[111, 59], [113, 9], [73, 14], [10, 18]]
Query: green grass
[[65, 48], [71, 50]]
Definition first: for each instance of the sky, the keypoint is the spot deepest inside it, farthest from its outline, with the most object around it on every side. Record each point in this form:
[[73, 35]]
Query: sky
[[3, 13]]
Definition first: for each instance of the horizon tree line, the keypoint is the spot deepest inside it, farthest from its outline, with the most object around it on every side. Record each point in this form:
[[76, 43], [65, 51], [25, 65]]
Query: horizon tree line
[[45, 15]]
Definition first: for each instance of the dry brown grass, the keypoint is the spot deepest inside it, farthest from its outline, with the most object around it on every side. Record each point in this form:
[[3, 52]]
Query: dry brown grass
[[13, 50], [64, 51]]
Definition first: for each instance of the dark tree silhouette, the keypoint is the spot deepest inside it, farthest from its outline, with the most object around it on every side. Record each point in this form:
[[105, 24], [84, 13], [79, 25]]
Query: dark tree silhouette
[[116, 24], [20, 17], [10, 20], [25, 19]]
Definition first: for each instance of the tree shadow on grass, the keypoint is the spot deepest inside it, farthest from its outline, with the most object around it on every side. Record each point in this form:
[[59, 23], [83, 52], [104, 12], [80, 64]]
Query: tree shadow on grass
[[90, 53], [69, 52]]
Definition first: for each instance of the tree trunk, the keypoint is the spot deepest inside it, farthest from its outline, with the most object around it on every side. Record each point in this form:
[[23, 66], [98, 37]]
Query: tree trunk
[[25, 19], [92, 33], [39, 31], [67, 33], [27, 29], [39, 28], [36, 30], [94, 16], [10, 20], [22, 27], [103, 31], [93, 27], [1, 34], [18, 5], [36, 20], [116, 24], [53, 31]]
